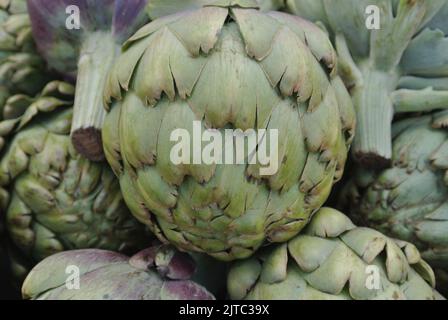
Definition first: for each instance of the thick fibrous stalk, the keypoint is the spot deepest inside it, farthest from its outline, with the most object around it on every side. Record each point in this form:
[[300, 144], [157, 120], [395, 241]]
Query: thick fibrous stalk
[[374, 108], [97, 56]]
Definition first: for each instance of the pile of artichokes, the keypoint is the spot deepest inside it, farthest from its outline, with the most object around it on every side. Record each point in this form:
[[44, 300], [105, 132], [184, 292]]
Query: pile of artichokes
[[98, 201]]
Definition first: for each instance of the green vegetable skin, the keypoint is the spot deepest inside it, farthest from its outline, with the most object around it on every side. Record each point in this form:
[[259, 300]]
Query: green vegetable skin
[[399, 68], [54, 199], [229, 66], [161, 8], [21, 68], [157, 273], [329, 260], [410, 200]]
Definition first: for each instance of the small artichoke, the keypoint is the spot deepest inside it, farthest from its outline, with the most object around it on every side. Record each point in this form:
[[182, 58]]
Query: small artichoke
[[334, 259], [156, 273], [393, 59], [21, 68], [53, 198], [410, 200], [227, 66], [82, 38]]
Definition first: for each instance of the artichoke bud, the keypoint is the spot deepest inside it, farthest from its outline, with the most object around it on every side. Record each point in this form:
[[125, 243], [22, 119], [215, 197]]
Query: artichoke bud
[[108, 275], [334, 259], [53, 198], [385, 76], [227, 66]]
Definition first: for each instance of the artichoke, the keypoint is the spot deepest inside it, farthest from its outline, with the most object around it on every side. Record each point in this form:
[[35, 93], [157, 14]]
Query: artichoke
[[399, 67], [156, 273], [160, 8], [334, 259], [410, 200], [227, 66], [21, 69], [53, 198], [85, 42]]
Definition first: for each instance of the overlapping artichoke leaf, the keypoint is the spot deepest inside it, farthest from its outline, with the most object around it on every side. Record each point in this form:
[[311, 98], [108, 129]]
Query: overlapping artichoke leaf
[[156, 273], [21, 68], [161, 8], [81, 39], [410, 200], [334, 259], [400, 67], [61, 45], [229, 66], [53, 198]]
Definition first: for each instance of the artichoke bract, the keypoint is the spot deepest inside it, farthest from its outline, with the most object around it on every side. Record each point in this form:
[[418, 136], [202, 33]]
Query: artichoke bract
[[334, 259], [156, 273], [52, 197], [393, 59], [227, 66], [410, 200], [83, 38], [160, 8], [21, 68]]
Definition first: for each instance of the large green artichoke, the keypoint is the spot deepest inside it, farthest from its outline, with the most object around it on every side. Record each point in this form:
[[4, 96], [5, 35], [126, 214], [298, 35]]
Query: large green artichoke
[[53, 198], [410, 200], [227, 66], [399, 67], [156, 273], [334, 259], [21, 69]]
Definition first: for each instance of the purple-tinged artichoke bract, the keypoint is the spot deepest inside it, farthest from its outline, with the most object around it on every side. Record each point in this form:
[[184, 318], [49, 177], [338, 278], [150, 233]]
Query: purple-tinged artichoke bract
[[157, 273], [83, 37]]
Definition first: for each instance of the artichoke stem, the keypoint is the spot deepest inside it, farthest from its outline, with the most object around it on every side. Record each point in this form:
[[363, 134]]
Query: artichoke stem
[[97, 55], [372, 99], [406, 100]]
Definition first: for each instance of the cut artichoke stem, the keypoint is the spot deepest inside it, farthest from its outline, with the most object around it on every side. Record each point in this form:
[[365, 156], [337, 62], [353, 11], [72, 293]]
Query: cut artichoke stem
[[428, 99], [372, 100], [96, 58]]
